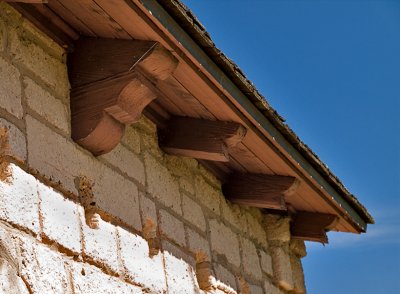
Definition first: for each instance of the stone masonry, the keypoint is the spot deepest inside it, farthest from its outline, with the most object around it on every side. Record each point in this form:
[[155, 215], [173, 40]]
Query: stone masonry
[[132, 221]]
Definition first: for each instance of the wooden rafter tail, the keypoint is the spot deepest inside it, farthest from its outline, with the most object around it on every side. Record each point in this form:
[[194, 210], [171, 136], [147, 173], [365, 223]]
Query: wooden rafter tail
[[111, 87], [28, 1], [259, 190], [200, 138], [312, 226]]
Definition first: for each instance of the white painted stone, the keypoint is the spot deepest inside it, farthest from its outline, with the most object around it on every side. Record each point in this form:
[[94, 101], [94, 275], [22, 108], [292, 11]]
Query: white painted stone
[[193, 212], [161, 184], [100, 245], [172, 227], [50, 108], [15, 141], [19, 200], [10, 282], [220, 236], [42, 269], [140, 268], [127, 161], [60, 219], [10, 89], [88, 279], [250, 260], [180, 278]]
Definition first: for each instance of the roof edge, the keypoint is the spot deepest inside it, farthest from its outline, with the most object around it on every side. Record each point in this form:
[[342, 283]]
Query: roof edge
[[286, 137]]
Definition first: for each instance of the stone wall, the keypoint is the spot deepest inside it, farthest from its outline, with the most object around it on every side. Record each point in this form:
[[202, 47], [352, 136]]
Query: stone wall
[[132, 221]]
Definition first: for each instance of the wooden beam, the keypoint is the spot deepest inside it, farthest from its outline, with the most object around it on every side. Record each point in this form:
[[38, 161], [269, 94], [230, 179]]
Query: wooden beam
[[259, 190], [111, 85], [27, 1], [200, 138], [312, 226]]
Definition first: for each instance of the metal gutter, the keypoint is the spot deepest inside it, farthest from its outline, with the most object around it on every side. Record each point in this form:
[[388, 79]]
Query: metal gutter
[[157, 11]]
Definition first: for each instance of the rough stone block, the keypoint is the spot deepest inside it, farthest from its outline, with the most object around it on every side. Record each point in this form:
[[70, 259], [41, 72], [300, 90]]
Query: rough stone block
[[60, 219], [250, 260], [112, 192], [224, 241], [269, 288], [256, 229], [197, 243], [298, 275], [234, 215], [278, 228], [127, 162], [30, 55], [9, 245], [172, 228], [19, 200], [131, 139], [266, 263], [43, 269], [186, 185], [193, 213], [148, 209], [207, 194], [161, 184], [100, 245], [50, 108], [10, 89], [88, 279], [225, 276], [137, 262], [180, 276], [12, 141], [254, 289], [282, 268]]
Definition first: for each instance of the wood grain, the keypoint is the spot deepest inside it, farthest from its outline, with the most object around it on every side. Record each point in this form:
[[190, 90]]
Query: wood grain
[[200, 138], [259, 190], [312, 226]]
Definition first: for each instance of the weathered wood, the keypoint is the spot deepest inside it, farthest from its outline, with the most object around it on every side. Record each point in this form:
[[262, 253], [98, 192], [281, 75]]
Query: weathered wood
[[111, 87], [312, 226], [48, 22], [200, 138], [27, 1], [259, 190]]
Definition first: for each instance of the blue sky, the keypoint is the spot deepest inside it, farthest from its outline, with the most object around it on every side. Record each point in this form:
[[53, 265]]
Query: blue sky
[[332, 69]]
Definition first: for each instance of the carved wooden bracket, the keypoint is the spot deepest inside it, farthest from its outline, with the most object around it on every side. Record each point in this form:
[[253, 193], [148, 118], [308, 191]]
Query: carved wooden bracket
[[200, 138], [260, 190], [312, 226], [112, 82]]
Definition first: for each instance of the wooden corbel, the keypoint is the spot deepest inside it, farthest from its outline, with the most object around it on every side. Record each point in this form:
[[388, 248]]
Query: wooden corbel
[[312, 226], [200, 138], [112, 82], [260, 190]]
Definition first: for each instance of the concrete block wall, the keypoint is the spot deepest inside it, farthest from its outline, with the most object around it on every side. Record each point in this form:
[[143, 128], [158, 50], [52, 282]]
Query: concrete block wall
[[132, 221]]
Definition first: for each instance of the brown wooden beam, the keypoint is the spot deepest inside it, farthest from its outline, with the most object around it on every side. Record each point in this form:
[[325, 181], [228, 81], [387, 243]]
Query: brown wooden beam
[[27, 1], [312, 226], [259, 190], [112, 82], [200, 138]]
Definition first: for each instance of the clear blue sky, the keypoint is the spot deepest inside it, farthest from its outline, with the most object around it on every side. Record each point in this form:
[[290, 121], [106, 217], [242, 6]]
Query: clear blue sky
[[332, 69]]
